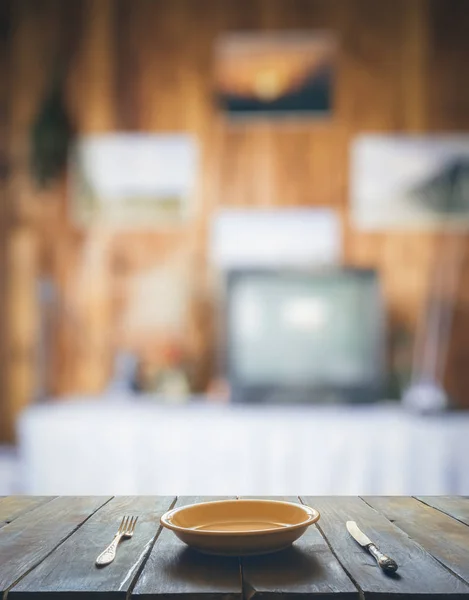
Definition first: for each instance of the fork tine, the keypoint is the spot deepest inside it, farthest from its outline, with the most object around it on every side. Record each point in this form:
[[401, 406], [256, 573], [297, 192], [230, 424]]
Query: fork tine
[[121, 526], [126, 530], [133, 525], [126, 524]]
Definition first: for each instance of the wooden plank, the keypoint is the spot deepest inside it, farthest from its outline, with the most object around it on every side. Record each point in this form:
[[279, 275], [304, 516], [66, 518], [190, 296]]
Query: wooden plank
[[419, 576], [95, 66], [5, 78], [30, 538], [307, 568], [174, 570], [414, 49], [455, 506], [33, 42], [448, 96], [442, 536], [12, 507], [71, 570]]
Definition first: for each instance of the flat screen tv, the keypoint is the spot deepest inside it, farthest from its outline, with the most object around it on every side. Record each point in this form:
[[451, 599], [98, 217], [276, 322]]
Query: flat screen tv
[[304, 336]]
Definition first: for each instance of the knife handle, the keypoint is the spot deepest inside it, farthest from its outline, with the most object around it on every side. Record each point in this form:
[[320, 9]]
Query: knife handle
[[387, 564]]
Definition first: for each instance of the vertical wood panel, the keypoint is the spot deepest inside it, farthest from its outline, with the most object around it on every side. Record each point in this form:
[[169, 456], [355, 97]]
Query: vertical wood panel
[[448, 111], [5, 78], [97, 112], [32, 46]]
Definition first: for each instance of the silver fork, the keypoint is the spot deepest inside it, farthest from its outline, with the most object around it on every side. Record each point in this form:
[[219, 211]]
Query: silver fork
[[126, 530]]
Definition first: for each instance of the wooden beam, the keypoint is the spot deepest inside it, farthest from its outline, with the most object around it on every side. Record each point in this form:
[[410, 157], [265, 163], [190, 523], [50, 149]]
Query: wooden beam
[[5, 73]]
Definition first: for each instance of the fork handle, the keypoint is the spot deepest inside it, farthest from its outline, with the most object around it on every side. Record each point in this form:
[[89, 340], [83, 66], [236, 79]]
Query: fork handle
[[108, 555]]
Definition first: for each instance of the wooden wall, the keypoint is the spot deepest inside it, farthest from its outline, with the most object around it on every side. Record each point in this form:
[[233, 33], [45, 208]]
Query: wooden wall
[[147, 65], [4, 72]]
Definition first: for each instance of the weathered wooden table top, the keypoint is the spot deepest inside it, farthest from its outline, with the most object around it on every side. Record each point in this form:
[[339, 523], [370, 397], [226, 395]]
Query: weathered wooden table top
[[48, 547]]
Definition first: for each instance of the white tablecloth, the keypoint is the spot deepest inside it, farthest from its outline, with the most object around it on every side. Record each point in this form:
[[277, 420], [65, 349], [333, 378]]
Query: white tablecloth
[[136, 447]]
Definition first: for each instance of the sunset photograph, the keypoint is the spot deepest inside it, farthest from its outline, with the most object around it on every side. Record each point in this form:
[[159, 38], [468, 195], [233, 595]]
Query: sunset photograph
[[282, 73]]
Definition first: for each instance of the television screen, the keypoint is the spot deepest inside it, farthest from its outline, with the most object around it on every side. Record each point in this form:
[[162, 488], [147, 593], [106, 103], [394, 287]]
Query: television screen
[[305, 331]]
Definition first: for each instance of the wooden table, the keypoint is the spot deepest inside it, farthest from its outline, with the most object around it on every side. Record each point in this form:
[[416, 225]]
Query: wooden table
[[48, 547]]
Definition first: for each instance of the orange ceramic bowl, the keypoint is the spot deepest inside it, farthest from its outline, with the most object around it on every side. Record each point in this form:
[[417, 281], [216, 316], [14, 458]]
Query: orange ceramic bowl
[[240, 527]]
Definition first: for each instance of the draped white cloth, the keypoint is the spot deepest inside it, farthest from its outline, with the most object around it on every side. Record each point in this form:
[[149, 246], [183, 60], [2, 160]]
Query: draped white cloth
[[128, 446]]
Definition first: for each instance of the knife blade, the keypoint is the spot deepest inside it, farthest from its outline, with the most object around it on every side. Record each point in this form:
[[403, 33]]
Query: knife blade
[[385, 562]]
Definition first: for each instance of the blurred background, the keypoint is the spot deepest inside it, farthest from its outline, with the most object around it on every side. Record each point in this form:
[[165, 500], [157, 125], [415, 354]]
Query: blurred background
[[234, 247]]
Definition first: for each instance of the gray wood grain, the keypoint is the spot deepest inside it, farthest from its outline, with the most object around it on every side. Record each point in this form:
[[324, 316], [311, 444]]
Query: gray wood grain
[[70, 571], [175, 571], [455, 506], [420, 575], [442, 536], [12, 507], [308, 568], [26, 541]]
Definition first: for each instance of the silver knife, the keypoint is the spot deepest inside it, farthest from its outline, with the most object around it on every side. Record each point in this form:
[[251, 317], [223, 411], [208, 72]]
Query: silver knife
[[385, 562]]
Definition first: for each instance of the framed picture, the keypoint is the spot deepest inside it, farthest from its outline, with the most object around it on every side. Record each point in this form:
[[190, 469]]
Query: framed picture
[[132, 179], [285, 74], [410, 182], [278, 237]]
